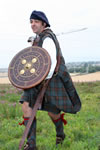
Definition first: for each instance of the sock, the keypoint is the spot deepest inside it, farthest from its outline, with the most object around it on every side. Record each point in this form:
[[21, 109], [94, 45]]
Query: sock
[[31, 138], [59, 126]]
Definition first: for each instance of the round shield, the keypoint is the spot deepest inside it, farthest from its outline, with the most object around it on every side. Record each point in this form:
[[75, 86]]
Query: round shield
[[29, 67]]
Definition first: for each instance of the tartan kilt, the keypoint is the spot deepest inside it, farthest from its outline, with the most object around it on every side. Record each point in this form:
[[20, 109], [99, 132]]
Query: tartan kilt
[[63, 94], [59, 96]]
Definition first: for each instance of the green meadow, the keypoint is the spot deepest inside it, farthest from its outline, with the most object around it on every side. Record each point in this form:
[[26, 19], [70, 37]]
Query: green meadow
[[82, 131]]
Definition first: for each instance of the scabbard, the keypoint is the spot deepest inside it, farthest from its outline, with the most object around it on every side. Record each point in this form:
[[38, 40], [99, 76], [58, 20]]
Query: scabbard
[[36, 106]]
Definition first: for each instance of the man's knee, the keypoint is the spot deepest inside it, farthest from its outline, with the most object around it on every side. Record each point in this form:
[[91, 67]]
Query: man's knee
[[25, 106], [54, 116], [26, 109]]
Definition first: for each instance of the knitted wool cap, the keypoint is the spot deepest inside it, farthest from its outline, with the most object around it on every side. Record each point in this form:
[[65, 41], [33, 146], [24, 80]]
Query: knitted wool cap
[[39, 15]]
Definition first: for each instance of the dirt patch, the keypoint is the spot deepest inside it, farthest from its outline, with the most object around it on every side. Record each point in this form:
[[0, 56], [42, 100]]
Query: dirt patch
[[4, 80], [75, 77], [3, 74], [92, 77]]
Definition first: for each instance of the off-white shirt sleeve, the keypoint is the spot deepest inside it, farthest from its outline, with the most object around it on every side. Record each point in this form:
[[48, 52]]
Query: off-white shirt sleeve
[[49, 45]]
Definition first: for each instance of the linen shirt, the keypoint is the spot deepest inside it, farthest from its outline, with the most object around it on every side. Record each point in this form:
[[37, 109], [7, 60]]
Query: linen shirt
[[49, 45]]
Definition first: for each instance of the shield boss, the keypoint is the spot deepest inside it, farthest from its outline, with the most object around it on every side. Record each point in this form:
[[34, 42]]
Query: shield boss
[[29, 67]]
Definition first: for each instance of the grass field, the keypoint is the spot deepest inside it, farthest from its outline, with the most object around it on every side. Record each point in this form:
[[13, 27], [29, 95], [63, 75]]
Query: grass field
[[82, 131]]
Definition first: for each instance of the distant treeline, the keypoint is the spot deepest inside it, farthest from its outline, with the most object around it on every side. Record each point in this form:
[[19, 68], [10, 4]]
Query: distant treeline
[[3, 70], [83, 67], [76, 67]]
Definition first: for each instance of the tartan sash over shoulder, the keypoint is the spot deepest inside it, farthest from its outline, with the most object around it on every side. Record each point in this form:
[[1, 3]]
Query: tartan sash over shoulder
[[61, 91]]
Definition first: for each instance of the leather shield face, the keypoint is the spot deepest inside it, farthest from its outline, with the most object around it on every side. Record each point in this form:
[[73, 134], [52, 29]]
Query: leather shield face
[[29, 67]]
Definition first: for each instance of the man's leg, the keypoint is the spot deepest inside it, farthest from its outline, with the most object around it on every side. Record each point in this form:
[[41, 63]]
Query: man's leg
[[58, 122], [31, 138]]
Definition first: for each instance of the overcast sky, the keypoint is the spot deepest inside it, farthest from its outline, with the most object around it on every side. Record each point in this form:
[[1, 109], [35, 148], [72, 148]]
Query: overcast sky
[[63, 15]]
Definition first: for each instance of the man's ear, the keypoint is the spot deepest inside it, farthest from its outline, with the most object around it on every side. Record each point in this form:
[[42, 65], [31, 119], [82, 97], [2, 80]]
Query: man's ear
[[44, 24]]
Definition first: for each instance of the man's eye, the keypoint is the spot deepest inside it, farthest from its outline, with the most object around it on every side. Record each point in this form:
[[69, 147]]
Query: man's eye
[[30, 21], [36, 21]]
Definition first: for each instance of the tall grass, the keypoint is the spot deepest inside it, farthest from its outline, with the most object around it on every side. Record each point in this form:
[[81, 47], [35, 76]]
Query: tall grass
[[82, 131]]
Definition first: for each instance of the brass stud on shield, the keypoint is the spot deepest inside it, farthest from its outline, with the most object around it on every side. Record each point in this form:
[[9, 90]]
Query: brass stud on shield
[[22, 71], [28, 66], [32, 70], [24, 61], [34, 60]]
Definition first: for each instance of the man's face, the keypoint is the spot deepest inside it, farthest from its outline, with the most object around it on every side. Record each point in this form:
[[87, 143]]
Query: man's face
[[37, 26]]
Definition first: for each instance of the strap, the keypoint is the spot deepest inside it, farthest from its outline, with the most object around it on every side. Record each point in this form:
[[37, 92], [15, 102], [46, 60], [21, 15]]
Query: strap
[[58, 48], [58, 64]]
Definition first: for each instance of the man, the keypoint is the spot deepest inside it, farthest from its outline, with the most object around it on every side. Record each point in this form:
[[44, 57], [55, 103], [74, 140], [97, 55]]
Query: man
[[60, 94]]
